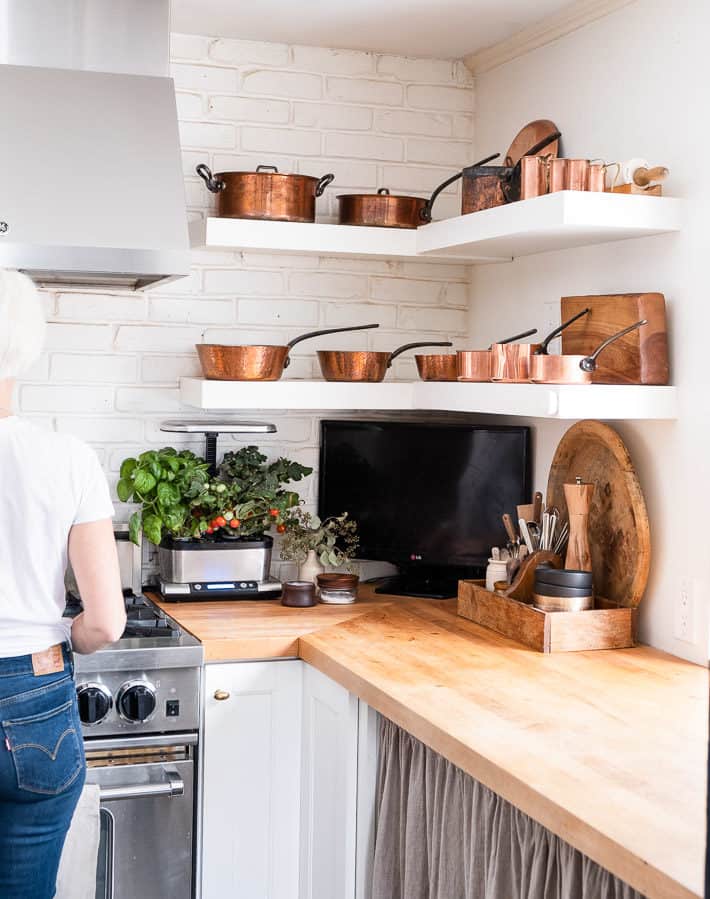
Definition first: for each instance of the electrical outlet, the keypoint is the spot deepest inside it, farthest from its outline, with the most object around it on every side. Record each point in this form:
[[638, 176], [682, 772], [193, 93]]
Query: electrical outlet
[[684, 624]]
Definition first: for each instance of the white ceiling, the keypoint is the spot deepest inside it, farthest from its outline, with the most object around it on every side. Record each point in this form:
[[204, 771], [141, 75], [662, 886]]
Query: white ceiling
[[439, 28]]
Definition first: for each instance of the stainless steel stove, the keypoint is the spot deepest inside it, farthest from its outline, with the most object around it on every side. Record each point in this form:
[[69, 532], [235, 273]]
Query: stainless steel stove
[[139, 703]]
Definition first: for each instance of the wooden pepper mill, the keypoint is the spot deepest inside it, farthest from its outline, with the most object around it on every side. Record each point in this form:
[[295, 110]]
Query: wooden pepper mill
[[579, 499]]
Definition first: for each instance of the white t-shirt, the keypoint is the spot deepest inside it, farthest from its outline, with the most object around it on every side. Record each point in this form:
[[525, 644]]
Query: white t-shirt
[[48, 482]]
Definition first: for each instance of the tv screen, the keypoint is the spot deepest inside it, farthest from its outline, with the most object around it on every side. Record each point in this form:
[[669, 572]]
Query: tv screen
[[424, 494]]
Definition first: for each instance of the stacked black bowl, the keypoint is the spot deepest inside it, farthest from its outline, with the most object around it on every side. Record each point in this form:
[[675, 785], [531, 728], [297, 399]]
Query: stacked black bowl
[[563, 590]]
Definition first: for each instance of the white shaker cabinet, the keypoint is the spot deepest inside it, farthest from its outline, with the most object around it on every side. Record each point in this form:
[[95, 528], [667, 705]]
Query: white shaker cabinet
[[251, 780]]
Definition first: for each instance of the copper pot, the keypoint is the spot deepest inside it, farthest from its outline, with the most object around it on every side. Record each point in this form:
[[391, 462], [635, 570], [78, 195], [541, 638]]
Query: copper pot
[[254, 363], [265, 194], [572, 369], [437, 366], [363, 365], [381, 210], [477, 365]]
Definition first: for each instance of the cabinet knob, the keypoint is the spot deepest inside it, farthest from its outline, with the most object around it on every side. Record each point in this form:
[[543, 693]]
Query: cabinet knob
[[221, 695]]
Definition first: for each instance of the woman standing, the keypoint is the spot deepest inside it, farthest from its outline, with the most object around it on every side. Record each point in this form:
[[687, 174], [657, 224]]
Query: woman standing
[[54, 506]]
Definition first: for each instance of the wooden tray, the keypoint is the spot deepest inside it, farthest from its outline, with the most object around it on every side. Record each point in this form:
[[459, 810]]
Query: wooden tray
[[601, 628]]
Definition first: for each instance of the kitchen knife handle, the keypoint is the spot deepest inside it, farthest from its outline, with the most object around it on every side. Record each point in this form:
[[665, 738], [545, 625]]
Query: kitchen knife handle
[[537, 507], [510, 527]]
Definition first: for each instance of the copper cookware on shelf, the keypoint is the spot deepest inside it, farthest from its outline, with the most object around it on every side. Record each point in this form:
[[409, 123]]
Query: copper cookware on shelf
[[477, 365], [363, 365], [572, 369], [254, 363], [512, 363], [381, 210], [265, 194], [437, 366]]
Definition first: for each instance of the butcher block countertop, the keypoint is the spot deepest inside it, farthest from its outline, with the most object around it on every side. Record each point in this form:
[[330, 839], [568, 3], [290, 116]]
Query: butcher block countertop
[[606, 749]]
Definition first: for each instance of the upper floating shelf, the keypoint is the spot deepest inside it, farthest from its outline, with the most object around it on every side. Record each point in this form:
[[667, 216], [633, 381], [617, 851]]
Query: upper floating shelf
[[552, 222]]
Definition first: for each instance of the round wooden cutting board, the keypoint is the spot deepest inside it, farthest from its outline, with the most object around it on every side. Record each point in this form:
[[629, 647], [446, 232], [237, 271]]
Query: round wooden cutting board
[[619, 533], [530, 135]]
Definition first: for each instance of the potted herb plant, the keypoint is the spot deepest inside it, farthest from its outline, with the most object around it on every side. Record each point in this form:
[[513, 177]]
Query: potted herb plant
[[316, 543]]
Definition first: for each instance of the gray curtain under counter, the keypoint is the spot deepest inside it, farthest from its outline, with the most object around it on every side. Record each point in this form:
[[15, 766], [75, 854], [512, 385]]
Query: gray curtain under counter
[[443, 835]]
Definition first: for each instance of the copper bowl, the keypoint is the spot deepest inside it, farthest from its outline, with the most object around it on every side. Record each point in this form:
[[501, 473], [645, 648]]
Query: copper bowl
[[474, 365], [363, 365], [437, 367]]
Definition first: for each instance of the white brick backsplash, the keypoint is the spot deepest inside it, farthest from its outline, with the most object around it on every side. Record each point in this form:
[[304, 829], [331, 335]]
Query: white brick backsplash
[[406, 290], [446, 152], [363, 90], [85, 307], [169, 369], [444, 319], [333, 62], [281, 140], [404, 121], [188, 46], [407, 68], [190, 106], [157, 337], [456, 295], [436, 271], [463, 126], [191, 159], [297, 85], [364, 146], [278, 312], [321, 284], [347, 174], [92, 369], [245, 162], [271, 260], [148, 399], [249, 109], [244, 283], [39, 370], [190, 285], [383, 341], [365, 266], [205, 78], [61, 336], [102, 430], [59, 398], [414, 178], [239, 52], [337, 314], [209, 135], [332, 115], [430, 96], [179, 311]]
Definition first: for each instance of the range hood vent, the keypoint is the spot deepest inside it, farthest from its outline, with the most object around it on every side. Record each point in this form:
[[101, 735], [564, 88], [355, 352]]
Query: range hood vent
[[91, 184]]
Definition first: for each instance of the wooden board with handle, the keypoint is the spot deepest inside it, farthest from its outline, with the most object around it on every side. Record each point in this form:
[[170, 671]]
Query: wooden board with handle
[[619, 533], [640, 357]]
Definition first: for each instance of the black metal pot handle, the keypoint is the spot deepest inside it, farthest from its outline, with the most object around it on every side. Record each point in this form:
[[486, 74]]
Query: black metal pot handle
[[520, 336], [412, 346], [213, 184], [425, 213], [292, 343], [383, 192], [267, 168], [542, 350], [510, 185], [323, 183]]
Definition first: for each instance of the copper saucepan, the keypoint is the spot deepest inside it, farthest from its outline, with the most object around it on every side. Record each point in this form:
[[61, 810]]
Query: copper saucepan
[[363, 365], [381, 210], [511, 364], [572, 369], [254, 363], [477, 365], [437, 366]]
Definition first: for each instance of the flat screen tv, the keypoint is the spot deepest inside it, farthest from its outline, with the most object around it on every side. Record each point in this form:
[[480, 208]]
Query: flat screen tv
[[427, 497]]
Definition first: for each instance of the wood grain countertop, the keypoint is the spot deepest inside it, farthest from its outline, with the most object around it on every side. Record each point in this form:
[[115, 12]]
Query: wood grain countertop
[[606, 749]]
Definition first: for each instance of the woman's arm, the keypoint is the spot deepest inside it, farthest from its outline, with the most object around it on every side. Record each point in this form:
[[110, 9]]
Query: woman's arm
[[94, 561]]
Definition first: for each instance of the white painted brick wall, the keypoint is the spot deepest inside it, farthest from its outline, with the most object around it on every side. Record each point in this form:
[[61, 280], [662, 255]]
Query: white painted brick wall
[[111, 371]]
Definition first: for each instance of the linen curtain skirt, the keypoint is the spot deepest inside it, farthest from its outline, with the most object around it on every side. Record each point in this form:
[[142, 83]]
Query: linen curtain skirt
[[442, 835]]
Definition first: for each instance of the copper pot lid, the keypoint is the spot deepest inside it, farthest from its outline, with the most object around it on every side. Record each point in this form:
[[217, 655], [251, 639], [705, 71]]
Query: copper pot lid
[[382, 192]]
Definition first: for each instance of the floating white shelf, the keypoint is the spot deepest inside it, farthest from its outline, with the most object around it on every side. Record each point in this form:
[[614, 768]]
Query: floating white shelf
[[529, 400], [552, 222]]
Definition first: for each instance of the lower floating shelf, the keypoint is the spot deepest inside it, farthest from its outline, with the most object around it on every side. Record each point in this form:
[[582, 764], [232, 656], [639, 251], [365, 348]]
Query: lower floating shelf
[[530, 400]]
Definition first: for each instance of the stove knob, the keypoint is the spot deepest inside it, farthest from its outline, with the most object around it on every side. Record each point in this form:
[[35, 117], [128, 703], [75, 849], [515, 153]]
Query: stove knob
[[95, 702], [136, 701]]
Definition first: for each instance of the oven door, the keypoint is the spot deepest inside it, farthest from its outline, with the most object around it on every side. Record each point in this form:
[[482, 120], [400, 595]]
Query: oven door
[[146, 843]]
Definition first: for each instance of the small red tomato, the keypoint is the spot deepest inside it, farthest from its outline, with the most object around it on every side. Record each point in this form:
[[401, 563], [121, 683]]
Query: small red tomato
[[274, 513], [234, 523], [210, 530], [219, 521], [281, 528]]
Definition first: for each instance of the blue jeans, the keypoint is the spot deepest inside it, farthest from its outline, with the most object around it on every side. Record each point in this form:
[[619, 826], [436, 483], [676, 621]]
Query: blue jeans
[[42, 769]]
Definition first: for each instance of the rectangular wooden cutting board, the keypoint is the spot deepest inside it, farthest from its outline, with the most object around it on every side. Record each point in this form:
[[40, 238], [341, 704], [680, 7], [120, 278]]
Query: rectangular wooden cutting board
[[640, 357]]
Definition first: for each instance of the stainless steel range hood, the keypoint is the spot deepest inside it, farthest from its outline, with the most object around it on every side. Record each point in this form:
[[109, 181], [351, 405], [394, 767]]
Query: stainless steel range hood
[[91, 185]]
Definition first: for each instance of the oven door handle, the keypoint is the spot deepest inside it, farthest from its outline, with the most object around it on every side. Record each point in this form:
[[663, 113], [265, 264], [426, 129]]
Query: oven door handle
[[172, 785]]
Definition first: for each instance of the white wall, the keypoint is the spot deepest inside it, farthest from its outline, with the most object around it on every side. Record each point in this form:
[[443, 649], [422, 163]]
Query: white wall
[[111, 371], [628, 85]]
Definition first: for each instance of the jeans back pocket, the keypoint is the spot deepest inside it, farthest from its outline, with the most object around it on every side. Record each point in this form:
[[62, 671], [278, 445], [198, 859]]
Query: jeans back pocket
[[46, 750]]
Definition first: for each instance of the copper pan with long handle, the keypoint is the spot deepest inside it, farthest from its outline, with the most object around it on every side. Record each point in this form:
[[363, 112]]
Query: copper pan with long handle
[[255, 362], [477, 365], [364, 365]]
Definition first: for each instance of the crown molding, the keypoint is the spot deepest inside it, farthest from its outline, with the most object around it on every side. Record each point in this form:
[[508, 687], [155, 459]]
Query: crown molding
[[544, 32]]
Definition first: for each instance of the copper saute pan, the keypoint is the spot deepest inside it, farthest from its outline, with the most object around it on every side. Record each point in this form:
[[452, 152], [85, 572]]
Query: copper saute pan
[[437, 366], [572, 369], [363, 365], [254, 363], [477, 365], [512, 364], [381, 210], [265, 194]]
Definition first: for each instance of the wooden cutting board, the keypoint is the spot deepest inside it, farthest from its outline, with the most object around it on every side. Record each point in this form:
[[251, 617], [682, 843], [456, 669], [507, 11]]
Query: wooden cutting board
[[619, 533], [640, 357], [528, 136]]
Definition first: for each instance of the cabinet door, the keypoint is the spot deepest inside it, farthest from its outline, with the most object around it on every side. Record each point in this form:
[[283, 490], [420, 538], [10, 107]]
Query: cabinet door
[[251, 781], [329, 789]]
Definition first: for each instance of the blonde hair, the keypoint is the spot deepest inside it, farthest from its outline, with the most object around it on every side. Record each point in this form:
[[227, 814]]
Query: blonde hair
[[22, 324]]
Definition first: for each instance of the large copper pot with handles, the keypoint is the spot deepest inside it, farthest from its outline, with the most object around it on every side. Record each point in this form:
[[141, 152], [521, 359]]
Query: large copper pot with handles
[[265, 194]]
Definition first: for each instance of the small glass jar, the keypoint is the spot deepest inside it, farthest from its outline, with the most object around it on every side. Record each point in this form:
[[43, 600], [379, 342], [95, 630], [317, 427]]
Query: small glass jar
[[338, 596]]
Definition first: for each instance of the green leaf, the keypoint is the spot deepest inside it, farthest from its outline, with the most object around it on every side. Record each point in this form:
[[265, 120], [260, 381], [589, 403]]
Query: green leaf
[[134, 528], [333, 557], [144, 481], [155, 469], [124, 489], [172, 463], [153, 528], [168, 494], [127, 468], [315, 522], [324, 558]]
